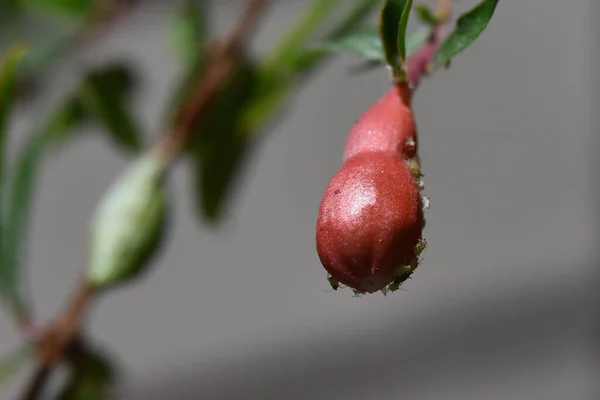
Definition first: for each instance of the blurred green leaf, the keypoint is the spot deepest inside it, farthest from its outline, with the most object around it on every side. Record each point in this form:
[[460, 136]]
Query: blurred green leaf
[[46, 38], [220, 149], [16, 217], [129, 223], [286, 51], [104, 95], [92, 377], [354, 18], [8, 75], [189, 31], [364, 43], [425, 15], [413, 43], [295, 56], [13, 363], [9, 10], [62, 8], [276, 79], [254, 98], [468, 28]]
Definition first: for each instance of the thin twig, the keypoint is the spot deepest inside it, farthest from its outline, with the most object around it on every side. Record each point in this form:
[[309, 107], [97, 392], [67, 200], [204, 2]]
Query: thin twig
[[223, 61], [38, 381], [60, 336], [57, 338]]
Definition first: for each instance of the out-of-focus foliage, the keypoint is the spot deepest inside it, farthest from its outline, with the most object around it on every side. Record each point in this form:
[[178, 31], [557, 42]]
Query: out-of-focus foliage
[[223, 139], [92, 378], [254, 97], [104, 94], [14, 363], [10, 285]]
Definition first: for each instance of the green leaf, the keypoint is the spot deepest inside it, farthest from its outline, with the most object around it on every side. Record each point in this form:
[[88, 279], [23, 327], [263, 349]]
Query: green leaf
[[425, 15], [277, 79], [16, 218], [389, 31], [129, 223], [13, 363], [9, 10], [104, 95], [286, 51], [92, 377], [402, 31], [468, 28], [220, 149], [364, 43], [62, 8], [189, 31], [8, 75], [354, 18]]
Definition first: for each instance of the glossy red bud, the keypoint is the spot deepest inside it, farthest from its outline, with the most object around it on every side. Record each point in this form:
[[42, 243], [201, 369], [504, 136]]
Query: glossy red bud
[[370, 221], [388, 125]]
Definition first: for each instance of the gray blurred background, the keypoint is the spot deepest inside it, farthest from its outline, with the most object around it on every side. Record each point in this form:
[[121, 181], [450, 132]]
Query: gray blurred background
[[504, 305]]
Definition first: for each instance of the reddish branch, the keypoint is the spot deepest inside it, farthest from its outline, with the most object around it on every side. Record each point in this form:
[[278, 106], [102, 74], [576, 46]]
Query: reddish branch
[[224, 59], [56, 340], [420, 63]]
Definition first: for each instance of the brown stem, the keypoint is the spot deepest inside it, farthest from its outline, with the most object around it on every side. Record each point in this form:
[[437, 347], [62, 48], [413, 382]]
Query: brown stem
[[61, 335], [223, 61], [57, 338], [37, 383]]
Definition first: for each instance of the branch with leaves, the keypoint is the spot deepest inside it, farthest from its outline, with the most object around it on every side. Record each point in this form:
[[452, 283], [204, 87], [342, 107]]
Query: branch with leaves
[[226, 99]]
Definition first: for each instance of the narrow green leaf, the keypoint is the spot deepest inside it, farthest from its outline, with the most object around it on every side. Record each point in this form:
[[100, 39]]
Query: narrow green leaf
[[425, 15], [9, 10], [276, 81], [12, 364], [218, 154], [104, 97], [364, 43], [354, 18], [8, 75], [23, 182], [402, 31], [389, 29], [468, 28], [189, 31], [92, 377], [62, 8], [285, 52]]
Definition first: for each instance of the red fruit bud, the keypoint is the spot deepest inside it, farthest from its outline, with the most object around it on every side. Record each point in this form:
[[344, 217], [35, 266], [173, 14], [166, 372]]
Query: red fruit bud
[[370, 221], [389, 126]]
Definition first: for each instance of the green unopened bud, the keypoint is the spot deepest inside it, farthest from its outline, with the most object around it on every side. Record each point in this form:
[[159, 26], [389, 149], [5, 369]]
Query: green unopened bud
[[127, 227]]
